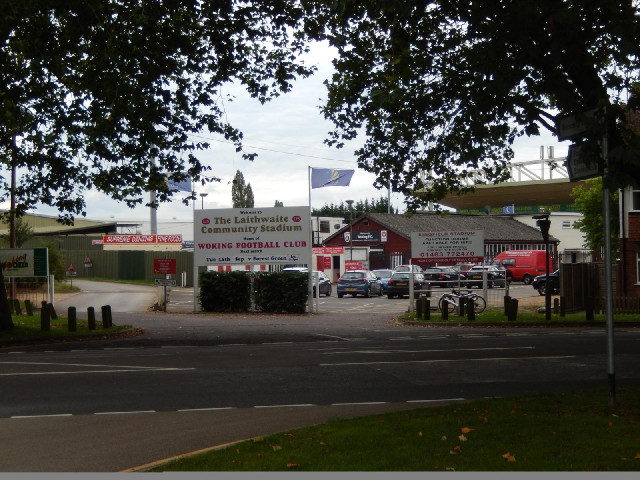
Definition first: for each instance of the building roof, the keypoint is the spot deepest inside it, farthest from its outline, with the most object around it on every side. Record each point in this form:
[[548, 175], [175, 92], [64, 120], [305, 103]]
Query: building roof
[[44, 225], [496, 228]]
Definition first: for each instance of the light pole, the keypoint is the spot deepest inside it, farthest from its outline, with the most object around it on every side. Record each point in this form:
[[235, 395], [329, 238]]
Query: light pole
[[350, 202], [202, 195]]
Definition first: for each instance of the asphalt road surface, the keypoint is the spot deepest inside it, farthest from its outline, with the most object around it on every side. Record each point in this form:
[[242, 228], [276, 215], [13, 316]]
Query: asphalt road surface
[[192, 381]]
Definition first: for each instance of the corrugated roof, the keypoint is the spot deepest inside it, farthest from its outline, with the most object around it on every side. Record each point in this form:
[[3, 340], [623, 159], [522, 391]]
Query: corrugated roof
[[48, 225], [496, 228]]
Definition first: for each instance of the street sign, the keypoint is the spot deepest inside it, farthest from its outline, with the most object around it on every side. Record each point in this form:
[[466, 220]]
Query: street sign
[[71, 271], [165, 282], [580, 166], [88, 263], [447, 247], [569, 127]]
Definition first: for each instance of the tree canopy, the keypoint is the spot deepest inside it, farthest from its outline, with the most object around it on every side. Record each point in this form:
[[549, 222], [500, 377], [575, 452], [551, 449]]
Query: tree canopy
[[441, 88], [380, 205], [241, 192], [104, 94]]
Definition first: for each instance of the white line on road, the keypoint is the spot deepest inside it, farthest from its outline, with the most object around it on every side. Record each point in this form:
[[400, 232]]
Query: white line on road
[[446, 360]]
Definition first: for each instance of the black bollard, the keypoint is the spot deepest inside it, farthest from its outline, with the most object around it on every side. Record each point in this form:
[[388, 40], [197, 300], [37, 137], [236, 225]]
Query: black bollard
[[427, 309], [91, 318], [419, 309], [16, 307], [28, 307], [562, 307], [71, 318], [589, 308], [471, 311], [445, 311], [513, 310], [52, 310], [507, 299], [462, 303], [45, 319], [556, 305], [106, 316], [11, 306]]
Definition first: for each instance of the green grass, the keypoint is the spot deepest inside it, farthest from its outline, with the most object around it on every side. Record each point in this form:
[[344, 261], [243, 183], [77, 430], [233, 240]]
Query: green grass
[[28, 328], [497, 316], [573, 431]]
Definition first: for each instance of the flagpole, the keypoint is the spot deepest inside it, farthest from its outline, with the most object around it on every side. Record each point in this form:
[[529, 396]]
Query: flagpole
[[310, 269]]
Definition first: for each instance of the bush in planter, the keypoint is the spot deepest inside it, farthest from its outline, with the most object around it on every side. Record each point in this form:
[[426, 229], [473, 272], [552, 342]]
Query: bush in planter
[[281, 292], [225, 292]]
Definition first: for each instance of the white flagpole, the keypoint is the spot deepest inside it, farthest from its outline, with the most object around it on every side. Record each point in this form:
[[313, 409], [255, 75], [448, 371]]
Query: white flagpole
[[310, 269]]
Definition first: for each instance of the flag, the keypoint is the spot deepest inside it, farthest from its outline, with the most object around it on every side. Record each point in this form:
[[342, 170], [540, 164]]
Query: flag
[[509, 209], [330, 177], [184, 186]]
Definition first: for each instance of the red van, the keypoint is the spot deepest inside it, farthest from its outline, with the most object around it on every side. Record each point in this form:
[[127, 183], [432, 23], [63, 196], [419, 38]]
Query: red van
[[523, 264]]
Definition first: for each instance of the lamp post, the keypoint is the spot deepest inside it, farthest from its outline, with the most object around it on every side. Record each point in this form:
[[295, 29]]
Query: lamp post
[[202, 195], [544, 223], [350, 202]]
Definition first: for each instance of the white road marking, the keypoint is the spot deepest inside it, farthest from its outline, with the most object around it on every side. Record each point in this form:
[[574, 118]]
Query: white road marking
[[446, 360]]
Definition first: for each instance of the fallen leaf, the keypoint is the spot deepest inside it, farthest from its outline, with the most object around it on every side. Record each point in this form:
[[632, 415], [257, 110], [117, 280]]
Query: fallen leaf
[[444, 437], [508, 457], [486, 420], [457, 448], [276, 447], [419, 434], [462, 438], [637, 455], [291, 465], [467, 430], [322, 443]]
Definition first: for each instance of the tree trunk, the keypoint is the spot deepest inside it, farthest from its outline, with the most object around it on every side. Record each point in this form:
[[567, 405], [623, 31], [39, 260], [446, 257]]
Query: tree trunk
[[6, 322]]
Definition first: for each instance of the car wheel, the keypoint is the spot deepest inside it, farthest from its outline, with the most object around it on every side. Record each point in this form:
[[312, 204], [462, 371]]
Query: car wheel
[[390, 296], [340, 295], [329, 291], [527, 279], [542, 289]]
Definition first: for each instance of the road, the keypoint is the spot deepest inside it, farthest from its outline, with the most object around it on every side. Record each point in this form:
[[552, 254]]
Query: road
[[197, 380]]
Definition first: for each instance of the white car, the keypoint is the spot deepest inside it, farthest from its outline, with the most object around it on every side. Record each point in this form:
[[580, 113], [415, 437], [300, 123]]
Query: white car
[[407, 268]]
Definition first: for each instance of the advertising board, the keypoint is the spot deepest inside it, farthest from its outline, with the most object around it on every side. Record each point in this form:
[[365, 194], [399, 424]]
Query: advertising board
[[447, 247], [142, 242], [24, 262], [252, 236]]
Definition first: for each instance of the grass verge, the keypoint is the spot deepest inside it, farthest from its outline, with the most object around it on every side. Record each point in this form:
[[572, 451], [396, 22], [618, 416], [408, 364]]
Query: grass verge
[[28, 328], [574, 431], [497, 316]]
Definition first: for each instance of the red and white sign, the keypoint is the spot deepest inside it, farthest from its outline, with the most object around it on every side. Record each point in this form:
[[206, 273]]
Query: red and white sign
[[164, 266], [142, 242], [328, 250]]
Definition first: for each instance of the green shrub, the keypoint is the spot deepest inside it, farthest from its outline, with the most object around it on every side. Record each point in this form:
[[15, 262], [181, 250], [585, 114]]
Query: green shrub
[[281, 292], [225, 292]]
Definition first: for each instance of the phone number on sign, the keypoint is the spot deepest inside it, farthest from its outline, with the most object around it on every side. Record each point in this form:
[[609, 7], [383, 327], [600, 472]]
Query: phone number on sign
[[446, 254]]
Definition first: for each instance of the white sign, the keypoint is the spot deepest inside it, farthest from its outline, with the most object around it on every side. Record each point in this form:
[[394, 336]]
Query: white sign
[[251, 236], [448, 247]]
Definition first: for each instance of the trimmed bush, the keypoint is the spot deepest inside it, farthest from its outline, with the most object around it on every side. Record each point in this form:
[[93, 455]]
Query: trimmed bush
[[281, 292], [225, 292]]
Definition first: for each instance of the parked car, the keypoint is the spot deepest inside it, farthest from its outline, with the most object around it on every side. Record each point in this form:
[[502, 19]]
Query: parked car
[[539, 283], [523, 264], [383, 275], [323, 280], [407, 268], [399, 282], [463, 267], [363, 282], [496, 276], [444, 276]]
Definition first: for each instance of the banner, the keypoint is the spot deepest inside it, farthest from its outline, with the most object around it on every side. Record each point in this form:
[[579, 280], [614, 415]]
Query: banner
[[24, 262]]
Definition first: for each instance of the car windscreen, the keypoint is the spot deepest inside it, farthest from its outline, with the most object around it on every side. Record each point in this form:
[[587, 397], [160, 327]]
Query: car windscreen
[[353, 275]]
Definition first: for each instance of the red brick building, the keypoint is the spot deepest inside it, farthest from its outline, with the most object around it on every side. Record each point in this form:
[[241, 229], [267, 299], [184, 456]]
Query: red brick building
[[380, 240], [630, 242]]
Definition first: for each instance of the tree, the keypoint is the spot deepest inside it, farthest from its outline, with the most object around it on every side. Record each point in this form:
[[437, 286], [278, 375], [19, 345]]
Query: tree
[[241, 193], [24, 232], [342, 210], [589, 199], [278, 204], [442, 88], [105, 94]]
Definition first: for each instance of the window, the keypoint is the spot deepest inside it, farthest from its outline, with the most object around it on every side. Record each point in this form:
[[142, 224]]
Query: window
[[325, 226], [635, 200]]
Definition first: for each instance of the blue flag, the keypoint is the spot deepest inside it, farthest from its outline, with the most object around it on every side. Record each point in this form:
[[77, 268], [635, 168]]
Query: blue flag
[[183, 186], [330, 177]]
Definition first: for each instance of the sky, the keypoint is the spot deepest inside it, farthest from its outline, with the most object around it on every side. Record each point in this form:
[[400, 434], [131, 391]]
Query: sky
[[288, 134]]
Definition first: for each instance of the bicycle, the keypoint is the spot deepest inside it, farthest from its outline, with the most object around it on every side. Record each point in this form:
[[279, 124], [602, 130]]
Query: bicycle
[[452, 301]]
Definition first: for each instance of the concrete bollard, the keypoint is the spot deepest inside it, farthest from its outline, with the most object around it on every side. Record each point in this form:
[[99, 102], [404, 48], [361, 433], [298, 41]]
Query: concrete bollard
[[71, 319], [91, 318]]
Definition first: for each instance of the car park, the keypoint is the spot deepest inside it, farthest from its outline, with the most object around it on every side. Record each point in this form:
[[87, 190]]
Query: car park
[[443, 277], [496, 276], [354, 282], [383, 275], [539, 283], [400, 282]]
